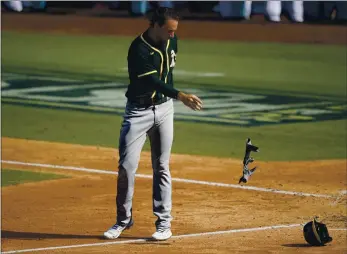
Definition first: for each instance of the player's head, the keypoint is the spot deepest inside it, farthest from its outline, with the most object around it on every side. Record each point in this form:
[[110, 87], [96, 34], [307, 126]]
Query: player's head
[[164, 21]]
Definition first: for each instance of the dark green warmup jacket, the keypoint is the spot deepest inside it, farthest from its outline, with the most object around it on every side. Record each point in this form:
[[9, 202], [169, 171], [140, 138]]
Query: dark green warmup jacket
[[150, 69]]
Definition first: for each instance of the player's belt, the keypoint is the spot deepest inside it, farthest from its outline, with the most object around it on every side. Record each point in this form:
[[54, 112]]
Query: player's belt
[[147, 102]]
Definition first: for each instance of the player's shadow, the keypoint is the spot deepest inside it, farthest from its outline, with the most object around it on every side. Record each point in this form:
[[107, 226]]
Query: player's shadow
[[297, 245], [6, 234]]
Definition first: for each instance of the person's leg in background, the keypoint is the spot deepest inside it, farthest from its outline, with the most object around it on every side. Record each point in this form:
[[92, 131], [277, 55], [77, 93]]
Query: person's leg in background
[[225, 9], [254, 8], [232, 9], [16, 6], [139, 8], [273, 10], [298, 11], [295, 10], [247, 11]]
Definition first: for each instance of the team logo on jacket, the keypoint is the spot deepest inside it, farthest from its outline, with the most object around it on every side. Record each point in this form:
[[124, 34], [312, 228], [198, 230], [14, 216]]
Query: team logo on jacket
[[173, 59]]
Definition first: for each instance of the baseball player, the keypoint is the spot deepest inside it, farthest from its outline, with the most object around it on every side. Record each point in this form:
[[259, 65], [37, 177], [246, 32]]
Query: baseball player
[[149, 112]]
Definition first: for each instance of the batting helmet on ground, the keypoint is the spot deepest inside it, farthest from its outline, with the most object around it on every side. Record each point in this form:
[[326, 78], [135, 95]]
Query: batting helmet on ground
[[316, 233]]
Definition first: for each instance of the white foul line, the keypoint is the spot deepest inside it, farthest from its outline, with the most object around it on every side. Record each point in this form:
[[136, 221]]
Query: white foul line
[[99, 171], [147, 239]]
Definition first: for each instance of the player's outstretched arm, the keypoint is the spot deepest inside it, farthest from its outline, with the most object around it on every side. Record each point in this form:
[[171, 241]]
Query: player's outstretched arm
[[190, 100]]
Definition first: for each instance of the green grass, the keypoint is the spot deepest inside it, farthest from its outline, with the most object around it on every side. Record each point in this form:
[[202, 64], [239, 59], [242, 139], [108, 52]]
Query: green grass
[[304, 141], [267, 68], [14, 177]]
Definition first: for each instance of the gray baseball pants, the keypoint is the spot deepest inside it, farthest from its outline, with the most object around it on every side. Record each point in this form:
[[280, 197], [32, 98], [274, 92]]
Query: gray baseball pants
[[156, 122]]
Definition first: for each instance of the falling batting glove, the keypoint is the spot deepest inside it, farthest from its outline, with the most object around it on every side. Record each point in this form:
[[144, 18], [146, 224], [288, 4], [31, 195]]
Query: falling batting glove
[[246, 173]]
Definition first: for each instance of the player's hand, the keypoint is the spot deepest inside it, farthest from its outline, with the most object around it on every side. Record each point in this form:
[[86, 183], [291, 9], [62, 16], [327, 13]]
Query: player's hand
[[190, 100]]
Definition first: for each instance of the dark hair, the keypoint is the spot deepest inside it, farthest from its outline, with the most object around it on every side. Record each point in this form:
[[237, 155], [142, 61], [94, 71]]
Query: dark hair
[[161, 14]]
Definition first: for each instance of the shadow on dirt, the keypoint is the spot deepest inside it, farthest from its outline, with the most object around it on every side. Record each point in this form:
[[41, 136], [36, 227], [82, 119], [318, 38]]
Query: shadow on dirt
[[6, 234], [297, 245]]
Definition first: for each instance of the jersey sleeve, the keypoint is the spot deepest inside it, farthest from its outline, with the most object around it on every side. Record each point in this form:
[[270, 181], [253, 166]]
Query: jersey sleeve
[[161, 86]]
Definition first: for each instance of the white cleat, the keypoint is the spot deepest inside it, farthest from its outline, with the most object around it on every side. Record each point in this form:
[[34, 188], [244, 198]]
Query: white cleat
[[116, 230], [162, 234]]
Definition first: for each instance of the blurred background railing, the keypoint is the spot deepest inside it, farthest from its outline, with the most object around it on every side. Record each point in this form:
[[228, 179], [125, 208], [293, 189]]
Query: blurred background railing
[[319, 12]]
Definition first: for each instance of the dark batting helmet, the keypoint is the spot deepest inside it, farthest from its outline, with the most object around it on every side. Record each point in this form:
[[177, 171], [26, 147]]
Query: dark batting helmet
[[316, 233]]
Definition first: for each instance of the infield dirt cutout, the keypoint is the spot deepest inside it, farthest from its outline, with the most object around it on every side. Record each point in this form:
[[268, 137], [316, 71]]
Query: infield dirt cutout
[[77, 210]]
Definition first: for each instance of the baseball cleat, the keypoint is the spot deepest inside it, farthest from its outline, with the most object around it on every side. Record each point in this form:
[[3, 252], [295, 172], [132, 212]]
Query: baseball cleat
[[115, 231], [162, 234]]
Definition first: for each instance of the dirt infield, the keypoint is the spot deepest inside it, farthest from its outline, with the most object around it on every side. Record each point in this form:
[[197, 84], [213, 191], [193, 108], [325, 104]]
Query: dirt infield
[[74, 24], [77, 210]]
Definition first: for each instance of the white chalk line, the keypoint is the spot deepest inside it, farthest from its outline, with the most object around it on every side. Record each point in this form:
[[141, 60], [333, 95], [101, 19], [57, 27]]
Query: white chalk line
[[147, 239], [99, 171]]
